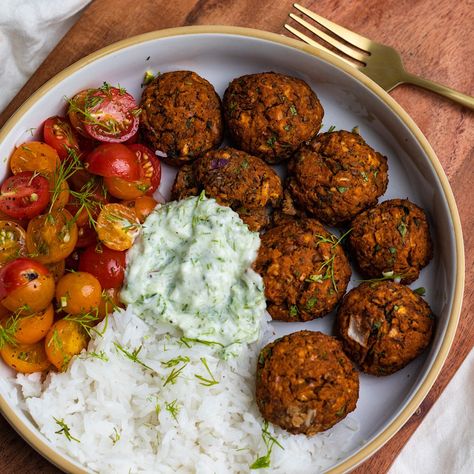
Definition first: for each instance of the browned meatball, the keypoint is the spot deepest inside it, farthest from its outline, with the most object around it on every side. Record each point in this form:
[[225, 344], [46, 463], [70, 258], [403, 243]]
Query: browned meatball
[[384, 326], [393, 236], [336, 176], [235, 179], [181, 116], [270, 115], [305, 383], [304, 269]]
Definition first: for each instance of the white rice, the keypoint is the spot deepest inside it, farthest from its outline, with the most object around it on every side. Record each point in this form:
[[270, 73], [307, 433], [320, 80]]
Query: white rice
[[116, 409]]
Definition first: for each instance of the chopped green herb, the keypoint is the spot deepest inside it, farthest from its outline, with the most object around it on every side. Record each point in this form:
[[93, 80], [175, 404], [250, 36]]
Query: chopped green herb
[[188, 340], [402, 228], [311, 302], [356, 130], [115, 436], [293, 110], [342, 189], [175, 373], [148, 77], [287, 127], [420, 291], [314, 278], [204, 381], [269, 440], [173, 409], [64, 430], [341, 411], [364, 175], [271, 141], [133, 356], [174, 362], [392, 250], [294, 311], [331, 129]]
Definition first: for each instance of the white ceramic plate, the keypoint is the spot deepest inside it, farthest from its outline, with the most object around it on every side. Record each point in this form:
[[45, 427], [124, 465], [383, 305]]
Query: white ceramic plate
[[220, 54]]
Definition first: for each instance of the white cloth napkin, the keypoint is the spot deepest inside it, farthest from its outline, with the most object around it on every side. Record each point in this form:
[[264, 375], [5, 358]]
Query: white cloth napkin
[[444, 443]]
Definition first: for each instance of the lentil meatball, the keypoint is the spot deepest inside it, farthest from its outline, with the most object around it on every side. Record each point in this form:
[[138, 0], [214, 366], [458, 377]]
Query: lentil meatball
[[270, 115], [393, 236], [305, 383], [384, 326], [304, 269], [181, 116], [235, 179], [336, 176]]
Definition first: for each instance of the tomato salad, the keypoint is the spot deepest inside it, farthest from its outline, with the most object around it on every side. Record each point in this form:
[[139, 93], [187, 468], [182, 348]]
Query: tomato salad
[[71, 207]]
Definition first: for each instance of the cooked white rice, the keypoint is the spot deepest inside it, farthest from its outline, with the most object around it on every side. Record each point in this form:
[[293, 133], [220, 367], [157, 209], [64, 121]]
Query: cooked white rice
[[121, 413]]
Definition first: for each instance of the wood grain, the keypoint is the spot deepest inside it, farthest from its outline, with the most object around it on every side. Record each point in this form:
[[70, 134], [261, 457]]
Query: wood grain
[[431, 36]]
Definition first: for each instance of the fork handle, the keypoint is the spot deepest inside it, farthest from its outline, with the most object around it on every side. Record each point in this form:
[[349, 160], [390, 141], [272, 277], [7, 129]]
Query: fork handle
[[452, 94]]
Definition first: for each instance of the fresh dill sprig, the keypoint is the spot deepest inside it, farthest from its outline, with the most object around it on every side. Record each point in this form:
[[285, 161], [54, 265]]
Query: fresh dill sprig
[[174, 362], [174, 374], [269, 440], [204, 381], [10, 326], [64, 430], [62, 173], [96, 355], [188, 340], [86, 200], [133, 356], [173, 409], [85, 320], [385, 276]]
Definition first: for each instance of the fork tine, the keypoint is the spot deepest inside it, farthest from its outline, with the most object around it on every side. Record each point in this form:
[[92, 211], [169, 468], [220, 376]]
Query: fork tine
[[337, 44], [311, 42], [358, 41]]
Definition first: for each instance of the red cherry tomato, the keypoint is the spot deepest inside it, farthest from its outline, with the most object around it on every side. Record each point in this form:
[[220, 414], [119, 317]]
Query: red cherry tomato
[[150, 176], [86, 235], [107, 265], [59, 135], [110, 114], [113, 160], [19, 273], [24, 195]]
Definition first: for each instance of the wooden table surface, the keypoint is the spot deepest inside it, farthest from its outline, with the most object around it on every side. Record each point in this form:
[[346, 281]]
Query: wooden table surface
[[435, 39]]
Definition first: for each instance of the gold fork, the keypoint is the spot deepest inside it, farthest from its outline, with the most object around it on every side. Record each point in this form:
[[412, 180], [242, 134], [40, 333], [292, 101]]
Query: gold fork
[[379, 62]]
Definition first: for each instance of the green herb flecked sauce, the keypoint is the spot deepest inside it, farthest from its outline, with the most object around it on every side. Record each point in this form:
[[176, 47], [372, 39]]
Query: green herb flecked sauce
[[190, 268]]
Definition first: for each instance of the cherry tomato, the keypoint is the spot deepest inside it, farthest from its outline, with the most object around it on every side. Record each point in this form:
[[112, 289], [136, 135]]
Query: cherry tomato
[[24, 195], [56, 269], [143, 206], [117, 226], [65, 339], [31, 328], [4, 312], [113, 160], [111, 115], [34, 156], [86, 235], [76, 111], [72, 261], [26, 284], [110, 301], [26, 358], [150, 176], [107, 265], [78, 292], [12, 241], [59, 191], [58, 134], [51, 237]]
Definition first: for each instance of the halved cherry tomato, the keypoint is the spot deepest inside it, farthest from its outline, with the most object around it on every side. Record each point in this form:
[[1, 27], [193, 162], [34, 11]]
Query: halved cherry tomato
[[24, 195], [59, 191], [51, 237], [65, 339], [12, 241], [111, 115], [26, 358], [26, 284], [31, 328], [150, 176], [109, 302], [57, 269], [113, 160], [107, 265], [58, 134], [78, 292], [117, 226], [34, 156], [143, 206]]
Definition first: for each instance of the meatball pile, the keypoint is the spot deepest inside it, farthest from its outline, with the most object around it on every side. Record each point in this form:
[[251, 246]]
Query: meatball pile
[[305, 382], [304, 269], [181, 116], [235, 179], [384, 326], [270, 115]]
